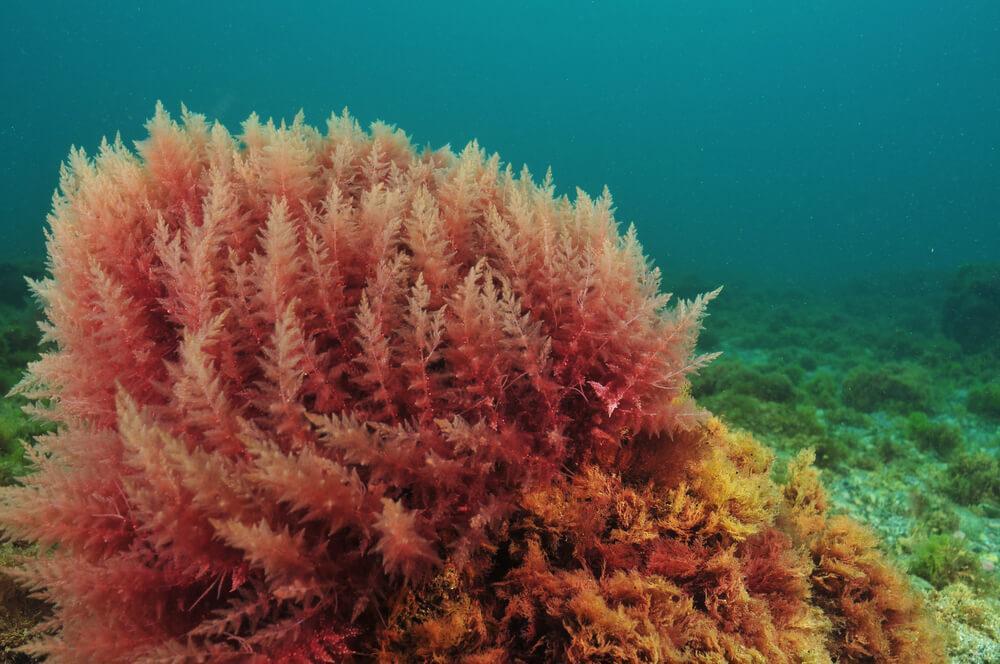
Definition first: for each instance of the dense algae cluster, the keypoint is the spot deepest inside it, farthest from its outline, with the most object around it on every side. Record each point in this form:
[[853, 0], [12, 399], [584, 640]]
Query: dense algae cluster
[[367, 402]]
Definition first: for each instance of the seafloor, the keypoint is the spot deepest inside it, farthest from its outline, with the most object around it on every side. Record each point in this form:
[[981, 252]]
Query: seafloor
[[894, 382]]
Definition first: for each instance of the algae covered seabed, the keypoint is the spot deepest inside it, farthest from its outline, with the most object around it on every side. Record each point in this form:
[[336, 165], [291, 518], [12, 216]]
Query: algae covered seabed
[[893, 382]]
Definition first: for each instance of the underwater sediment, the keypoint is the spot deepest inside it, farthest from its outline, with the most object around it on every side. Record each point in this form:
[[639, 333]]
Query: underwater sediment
[[324, 397]]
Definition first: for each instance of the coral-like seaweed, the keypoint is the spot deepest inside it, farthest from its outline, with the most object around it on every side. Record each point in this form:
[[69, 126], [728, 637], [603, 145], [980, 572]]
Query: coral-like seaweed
[[320, 396]]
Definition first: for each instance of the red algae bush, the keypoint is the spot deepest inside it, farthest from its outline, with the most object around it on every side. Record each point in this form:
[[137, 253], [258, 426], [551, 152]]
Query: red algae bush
[[324, 397]]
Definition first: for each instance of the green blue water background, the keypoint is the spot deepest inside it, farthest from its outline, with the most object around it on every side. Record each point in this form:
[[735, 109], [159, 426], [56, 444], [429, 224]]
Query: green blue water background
[[801, 141]]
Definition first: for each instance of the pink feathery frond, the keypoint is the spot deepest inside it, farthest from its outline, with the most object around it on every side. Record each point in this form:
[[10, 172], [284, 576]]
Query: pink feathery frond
[[421, 335], [298, 374], [402, 547]]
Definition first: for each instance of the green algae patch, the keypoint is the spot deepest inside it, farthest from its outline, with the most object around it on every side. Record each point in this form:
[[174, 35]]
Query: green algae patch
[[17, 430], [984, 401], [941, 560], [973, 478], [885, 388], [937, 437], [734, 377]]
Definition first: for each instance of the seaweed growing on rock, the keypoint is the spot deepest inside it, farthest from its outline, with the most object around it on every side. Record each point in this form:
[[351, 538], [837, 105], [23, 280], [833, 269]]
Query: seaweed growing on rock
[[320, 396]]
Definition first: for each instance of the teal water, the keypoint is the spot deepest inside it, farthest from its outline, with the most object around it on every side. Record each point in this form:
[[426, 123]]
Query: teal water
[[783, 139]]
